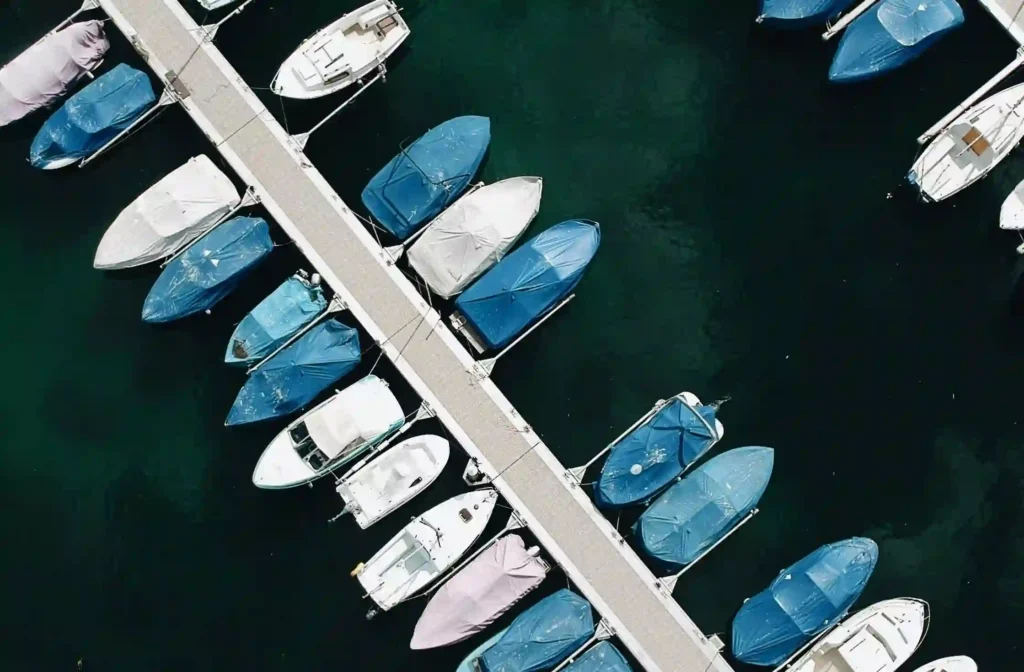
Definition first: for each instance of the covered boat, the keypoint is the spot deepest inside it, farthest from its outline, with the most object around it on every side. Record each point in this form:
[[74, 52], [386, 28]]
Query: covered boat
[[209, 270], [297, 374], [799, 13], [424, 178], [696, 512], [669, 439], [471, 236], [803, 600], [891, 34], [481, 592], [268, 326], [91, 118], [527, 283], [169, 215], [471, 662], [950, 664], [337, 431], [48, 69], [603, 657]]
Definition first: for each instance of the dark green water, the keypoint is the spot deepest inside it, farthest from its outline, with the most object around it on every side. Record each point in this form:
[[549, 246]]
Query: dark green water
[[749, 250]]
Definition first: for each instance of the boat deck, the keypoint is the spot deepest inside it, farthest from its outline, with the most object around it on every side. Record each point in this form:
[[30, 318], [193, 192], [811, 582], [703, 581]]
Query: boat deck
[[646, 618]]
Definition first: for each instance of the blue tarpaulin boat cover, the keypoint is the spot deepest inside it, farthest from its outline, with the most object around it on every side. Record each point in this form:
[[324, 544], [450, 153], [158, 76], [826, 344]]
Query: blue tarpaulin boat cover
[[799, 13], [891, 34], [530, 281], [542, 636], [603, 657], [297, 374], [428, 175], [656, 453], [93, 116], [209, 270], [803, 600], [277, 318], [699, 510]]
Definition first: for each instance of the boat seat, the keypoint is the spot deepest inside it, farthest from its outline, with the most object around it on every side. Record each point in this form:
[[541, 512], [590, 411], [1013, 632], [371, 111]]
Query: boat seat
[[864, 653], [976, 141], [370, 17]]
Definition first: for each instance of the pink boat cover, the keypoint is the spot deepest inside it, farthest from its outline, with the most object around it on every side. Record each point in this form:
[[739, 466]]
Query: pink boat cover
[[484, 590], [45, 71]]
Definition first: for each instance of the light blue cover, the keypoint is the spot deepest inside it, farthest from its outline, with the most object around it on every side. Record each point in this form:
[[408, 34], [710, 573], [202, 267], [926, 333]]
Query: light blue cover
[[603, 657], [93, 116], [799, 13], [664, 446], [277, 318], [542, 636], [891, 34], [209, 270], [293, 377], [700, 509], [530, 281], [467, 663], [803, 600], [426, 177]]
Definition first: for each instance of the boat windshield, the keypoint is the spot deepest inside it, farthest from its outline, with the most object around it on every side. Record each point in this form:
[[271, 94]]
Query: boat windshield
[[306, 447]]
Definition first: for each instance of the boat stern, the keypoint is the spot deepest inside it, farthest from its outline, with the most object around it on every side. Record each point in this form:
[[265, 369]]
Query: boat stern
[[280, 467]]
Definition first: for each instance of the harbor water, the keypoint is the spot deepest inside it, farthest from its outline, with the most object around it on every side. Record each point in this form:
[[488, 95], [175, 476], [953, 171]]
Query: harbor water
[[758, 244]]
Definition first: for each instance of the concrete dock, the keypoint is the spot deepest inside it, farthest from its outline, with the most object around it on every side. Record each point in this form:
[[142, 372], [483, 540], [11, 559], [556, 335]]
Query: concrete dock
[[643, 615]]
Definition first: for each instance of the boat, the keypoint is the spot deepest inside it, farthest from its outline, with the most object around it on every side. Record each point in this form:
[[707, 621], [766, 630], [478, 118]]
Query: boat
[[602, 657], [428, 175], [879, 638], [526, 284], [342, 53], [667, 441], [799, 13], [425, 548], [471, 662], [950, 664], [296, 375], [474, 234], [47, 70], [542, 636], [331, 435], [803, 600], [692, 515], [208, 271], [481, 592], [91, 118], [277, 318], [211, 5], [183, 205], [393, 478], [969, 148], [1011, 214], [891, 34]]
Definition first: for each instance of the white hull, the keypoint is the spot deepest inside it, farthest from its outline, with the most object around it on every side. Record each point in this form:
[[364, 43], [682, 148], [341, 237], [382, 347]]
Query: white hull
[[215, 4], [426, 548], [1011, 214], [393, 478], [342, 53], [950, 664], [59, 163]]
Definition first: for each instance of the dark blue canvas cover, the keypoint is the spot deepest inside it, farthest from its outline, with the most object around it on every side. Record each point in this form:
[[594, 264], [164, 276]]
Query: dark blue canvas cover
[[542, 636], [799, 13], [277, 318], [602, 657]]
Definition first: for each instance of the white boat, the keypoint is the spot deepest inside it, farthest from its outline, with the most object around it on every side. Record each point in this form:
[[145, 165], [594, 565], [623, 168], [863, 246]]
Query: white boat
[[971, 146], [169, 215], [426, 548], [879, 638], [1011, 214], [211, 5], [475, 233], [330, 436], [950, 664], [374, 490], [342, 53]]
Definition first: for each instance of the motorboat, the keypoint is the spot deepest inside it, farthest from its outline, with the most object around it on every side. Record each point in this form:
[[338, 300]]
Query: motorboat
[[47, 70], [471, 663], [891, 34], [526, 284], [692, 515], [879, 638], [91, 118], [602, 657], [805, 599], [950, 664], [799, 13], [659, 448], [209, 270], [969, 148], [343, 52], [183, 205], [474, 234], [425, 548], [428, 175], [294, 377], [393, 478], [482, 591], [331, 435]]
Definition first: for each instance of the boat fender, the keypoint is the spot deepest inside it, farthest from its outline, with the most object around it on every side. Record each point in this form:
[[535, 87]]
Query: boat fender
[[358, 569], [315, 280], [533, 551]]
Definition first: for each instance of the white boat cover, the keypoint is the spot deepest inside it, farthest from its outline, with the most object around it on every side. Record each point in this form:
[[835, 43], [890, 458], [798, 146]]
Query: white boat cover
[[46, 71], [475, 233], [481, 592], [358, 414], [169, 215]]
